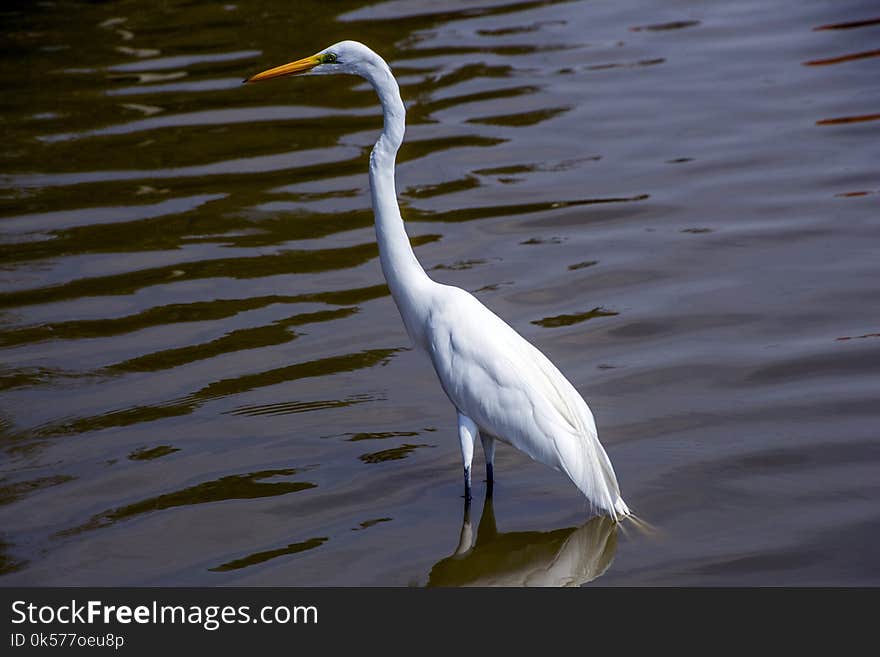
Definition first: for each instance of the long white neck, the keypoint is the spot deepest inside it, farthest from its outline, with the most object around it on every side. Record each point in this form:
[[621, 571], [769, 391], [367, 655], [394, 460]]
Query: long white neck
[[405, 276]]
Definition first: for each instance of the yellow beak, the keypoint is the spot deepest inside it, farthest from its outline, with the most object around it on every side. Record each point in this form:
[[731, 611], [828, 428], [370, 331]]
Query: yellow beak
[[293, 68]]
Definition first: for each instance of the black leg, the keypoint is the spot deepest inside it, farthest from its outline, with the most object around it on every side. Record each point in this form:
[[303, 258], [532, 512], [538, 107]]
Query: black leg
[[490, 479]]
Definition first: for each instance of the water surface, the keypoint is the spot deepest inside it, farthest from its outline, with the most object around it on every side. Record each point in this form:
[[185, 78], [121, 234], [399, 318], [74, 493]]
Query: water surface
[[205, 381]]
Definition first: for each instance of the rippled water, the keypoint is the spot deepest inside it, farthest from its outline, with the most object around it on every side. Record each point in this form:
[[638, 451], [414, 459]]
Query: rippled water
[[204, 380]]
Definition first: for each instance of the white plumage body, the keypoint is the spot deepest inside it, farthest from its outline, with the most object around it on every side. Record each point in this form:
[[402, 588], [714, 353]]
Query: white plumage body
[[512, 391]]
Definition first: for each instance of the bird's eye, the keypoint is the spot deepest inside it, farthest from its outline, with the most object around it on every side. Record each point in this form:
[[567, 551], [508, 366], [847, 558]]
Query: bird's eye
[[328, 58]]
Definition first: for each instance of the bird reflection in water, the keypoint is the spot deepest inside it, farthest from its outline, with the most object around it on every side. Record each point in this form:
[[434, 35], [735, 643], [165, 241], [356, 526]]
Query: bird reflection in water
[[563, 557]]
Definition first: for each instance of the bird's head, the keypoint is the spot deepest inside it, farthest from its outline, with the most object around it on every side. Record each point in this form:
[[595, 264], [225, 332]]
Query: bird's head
[[343, 57]]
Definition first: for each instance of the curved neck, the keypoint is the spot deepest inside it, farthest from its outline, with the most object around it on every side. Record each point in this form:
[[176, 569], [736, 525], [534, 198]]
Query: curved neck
[[399, 264]]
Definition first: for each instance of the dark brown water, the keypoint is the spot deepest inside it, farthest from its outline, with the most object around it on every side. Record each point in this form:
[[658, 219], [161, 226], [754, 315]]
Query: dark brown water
[[204, 380]]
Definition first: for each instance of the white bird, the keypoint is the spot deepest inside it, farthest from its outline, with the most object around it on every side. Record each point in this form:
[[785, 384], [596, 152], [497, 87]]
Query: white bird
[[501, 385]]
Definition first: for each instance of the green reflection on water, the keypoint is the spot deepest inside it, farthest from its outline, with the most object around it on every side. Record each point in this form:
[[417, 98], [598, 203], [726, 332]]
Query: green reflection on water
[[562, 557], [380, 435], [9, 564], [148, 454], [10, 492], [220, 388], [297, 406], [260, 557], [232, 487], [289, 262], [198, 311], [576, 318], [249, 338], [392, 454], [522, 118], [366, 524]]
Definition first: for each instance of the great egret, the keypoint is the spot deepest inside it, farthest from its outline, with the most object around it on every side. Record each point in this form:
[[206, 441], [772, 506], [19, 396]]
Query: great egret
[[501, 385]]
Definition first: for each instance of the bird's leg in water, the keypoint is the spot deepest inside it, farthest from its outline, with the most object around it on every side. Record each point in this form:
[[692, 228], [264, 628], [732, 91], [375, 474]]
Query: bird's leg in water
[[467, 433], [488, 441]]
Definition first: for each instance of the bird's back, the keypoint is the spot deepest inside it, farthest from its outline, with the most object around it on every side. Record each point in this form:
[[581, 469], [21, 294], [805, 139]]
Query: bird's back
[[512, 391]]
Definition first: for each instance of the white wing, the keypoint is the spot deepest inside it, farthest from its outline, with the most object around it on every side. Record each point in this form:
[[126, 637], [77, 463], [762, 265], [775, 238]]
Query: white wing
[[511, 390]]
